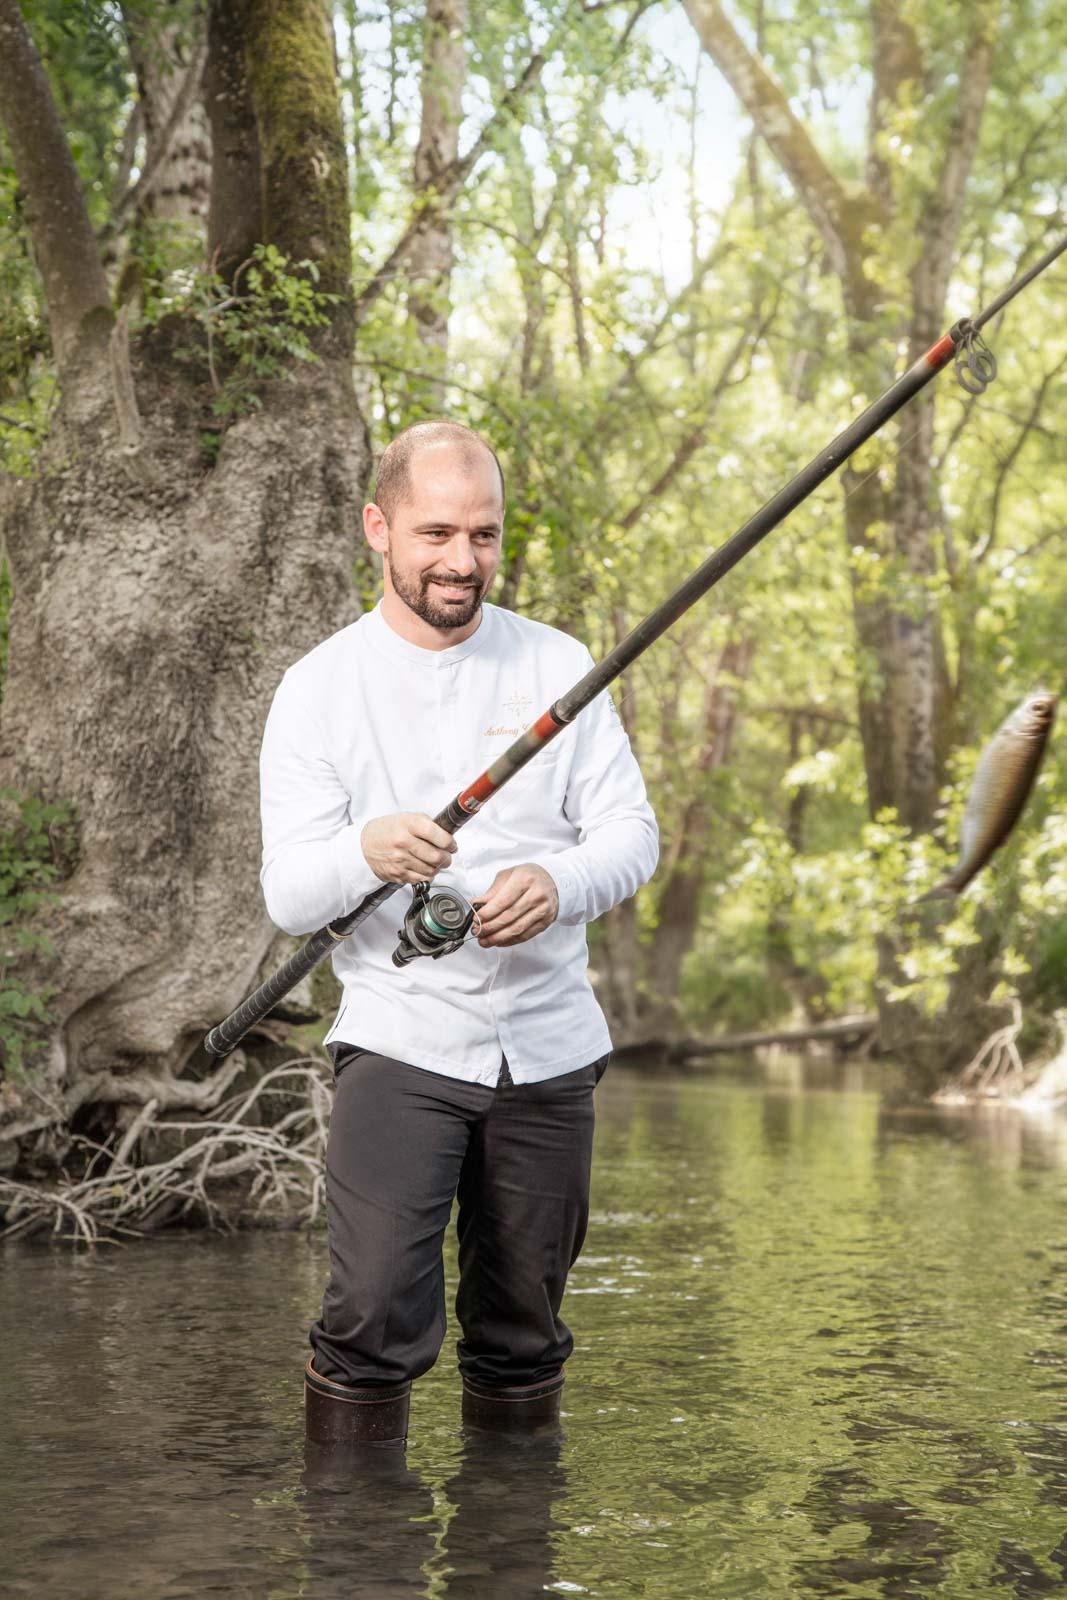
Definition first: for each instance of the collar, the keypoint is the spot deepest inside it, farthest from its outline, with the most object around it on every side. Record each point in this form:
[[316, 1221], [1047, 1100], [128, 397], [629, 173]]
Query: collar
[[389, 643]]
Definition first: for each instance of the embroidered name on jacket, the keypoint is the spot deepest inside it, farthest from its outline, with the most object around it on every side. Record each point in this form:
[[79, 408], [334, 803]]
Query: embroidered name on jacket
[[517, 709]]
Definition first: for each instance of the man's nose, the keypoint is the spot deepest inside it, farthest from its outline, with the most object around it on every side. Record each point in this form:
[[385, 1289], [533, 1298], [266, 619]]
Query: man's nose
[[459, 556]]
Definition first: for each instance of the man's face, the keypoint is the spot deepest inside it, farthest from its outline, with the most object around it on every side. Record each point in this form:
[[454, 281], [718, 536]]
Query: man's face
[[443, 544]]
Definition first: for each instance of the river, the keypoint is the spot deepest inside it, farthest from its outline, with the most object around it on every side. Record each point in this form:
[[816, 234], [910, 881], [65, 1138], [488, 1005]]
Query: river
[[820, 1351]]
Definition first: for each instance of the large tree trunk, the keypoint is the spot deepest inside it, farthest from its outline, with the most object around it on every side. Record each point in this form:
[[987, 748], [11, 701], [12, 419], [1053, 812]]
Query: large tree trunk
[[157, 602], [235, 208]]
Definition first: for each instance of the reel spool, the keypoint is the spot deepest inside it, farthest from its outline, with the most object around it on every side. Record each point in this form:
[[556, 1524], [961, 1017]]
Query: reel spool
[[435, 925]]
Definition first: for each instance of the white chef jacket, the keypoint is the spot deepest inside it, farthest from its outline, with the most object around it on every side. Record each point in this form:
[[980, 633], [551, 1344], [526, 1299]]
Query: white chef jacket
[[366, 725]]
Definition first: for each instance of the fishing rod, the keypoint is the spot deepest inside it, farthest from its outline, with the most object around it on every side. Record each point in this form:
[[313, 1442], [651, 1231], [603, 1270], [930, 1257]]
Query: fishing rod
[[435, 924]]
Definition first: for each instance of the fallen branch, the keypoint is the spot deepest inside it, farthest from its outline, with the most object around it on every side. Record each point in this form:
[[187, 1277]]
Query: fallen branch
[[855, 1028], [847, 1030]]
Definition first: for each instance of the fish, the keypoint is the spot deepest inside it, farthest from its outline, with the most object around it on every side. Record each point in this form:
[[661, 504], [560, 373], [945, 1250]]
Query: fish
[[1002, 782]]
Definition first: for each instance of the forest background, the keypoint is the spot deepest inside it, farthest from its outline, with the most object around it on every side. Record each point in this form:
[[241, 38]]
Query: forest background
[[659, 253]]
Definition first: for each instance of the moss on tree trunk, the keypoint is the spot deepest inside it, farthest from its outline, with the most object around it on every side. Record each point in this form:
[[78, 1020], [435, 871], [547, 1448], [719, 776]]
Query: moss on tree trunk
[[289, 60]]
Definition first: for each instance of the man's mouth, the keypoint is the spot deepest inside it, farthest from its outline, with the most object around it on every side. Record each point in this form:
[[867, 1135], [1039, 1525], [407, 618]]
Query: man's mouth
[[453, 591]]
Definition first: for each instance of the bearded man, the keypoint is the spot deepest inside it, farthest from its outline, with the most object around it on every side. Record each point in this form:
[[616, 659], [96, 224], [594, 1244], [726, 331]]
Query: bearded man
[[472, 1075]]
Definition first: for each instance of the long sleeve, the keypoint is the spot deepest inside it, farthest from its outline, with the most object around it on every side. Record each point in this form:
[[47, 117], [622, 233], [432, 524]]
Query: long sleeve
[[313, 866], [618, 840]]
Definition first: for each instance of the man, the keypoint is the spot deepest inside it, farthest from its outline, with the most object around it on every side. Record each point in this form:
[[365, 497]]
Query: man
[[472, 1074]]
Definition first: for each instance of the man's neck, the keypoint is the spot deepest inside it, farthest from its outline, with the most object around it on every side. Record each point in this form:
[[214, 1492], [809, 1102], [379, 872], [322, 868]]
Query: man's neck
[[415, 630]]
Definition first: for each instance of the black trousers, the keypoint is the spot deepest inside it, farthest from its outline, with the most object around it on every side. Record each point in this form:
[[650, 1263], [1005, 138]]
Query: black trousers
[[403, 1144]]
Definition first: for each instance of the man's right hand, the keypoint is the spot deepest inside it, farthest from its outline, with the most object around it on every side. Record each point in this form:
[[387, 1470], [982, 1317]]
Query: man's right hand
[[408, 847]]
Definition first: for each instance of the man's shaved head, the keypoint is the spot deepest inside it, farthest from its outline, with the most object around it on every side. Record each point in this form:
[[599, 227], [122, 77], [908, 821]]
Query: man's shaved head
[[392, 484]]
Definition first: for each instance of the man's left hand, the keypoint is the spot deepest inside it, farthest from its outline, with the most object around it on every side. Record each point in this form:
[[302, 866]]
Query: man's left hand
[[521, 903]]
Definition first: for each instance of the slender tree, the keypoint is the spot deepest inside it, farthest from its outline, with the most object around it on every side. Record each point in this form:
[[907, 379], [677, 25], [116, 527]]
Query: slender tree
[[168, 49], [430, 258], [681, 883]]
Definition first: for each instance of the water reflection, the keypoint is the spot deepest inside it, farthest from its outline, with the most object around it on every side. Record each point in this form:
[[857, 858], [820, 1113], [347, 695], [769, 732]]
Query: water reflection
[[884, 1541], [821, 1352], [369, 1525], [499, 1539], [374, 1529]]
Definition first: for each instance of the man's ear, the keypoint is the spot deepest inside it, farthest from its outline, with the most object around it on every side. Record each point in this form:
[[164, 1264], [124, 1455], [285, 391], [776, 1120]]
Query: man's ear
[[375, 528]]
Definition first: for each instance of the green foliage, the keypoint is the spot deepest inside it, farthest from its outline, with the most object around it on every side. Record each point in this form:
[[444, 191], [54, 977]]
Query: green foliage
[[27, 384], [34, 838], [253, 330], [83, 50]]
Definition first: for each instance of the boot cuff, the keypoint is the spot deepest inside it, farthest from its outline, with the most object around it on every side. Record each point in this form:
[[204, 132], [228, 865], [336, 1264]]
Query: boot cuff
[[366, 1394], [516, 1408], [341, 1413], [515, 1392]]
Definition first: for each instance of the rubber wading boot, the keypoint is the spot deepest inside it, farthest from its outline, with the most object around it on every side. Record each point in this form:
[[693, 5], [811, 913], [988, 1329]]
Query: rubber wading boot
[[340, 1413], [521, 1408]]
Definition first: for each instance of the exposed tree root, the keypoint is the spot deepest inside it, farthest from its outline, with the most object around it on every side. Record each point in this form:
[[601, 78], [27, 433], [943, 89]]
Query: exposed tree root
[[130, 1089], [281, 1164], [1047, 1084], [994, 1072]]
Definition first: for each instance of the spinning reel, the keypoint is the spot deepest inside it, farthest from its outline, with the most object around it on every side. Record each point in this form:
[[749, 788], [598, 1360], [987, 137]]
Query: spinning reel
[[435, 925]]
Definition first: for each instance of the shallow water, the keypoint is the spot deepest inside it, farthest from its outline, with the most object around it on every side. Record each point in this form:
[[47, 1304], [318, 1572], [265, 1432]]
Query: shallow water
[[820, 1352]]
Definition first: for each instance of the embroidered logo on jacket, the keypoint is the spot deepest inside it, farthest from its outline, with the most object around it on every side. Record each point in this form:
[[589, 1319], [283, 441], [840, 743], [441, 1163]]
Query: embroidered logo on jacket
[[517, 711]]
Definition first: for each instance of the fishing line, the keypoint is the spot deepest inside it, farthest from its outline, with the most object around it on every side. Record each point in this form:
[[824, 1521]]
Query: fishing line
[[1008, 295]]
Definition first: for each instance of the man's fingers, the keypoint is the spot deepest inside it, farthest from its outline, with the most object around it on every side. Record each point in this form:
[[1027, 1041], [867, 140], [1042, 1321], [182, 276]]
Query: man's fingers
[[408, 847], [424, 827], [418, 850], [521, 903], [518, 931], [427, 861], [413, 869], [499, 902], [506, 915]]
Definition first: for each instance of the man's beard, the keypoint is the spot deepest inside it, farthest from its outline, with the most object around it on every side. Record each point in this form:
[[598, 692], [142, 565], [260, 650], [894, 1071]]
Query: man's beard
[[417, 594]]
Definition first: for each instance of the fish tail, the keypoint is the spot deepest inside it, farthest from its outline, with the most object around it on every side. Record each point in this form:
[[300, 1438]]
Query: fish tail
[[946, 890]]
